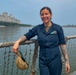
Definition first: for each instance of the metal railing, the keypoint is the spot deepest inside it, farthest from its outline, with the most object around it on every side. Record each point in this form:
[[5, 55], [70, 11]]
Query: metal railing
[[30, 53]]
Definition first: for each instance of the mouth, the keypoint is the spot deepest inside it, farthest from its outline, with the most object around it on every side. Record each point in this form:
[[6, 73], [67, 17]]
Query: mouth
[[45, 19]]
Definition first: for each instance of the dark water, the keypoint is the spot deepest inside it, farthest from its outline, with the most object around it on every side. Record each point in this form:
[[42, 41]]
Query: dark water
[[12, 33]]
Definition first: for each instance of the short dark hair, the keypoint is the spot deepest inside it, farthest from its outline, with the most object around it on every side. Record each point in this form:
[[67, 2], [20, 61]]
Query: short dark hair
[[47, 9]]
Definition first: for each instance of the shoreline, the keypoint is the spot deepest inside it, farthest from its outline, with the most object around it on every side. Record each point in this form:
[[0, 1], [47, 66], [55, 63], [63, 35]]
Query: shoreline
[[68, 26]]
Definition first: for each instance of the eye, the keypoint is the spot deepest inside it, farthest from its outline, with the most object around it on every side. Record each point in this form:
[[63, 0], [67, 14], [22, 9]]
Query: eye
[[46, 13], [42, 14]]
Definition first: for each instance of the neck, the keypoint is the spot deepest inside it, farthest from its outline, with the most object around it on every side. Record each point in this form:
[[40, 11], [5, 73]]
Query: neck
[[47, 25]]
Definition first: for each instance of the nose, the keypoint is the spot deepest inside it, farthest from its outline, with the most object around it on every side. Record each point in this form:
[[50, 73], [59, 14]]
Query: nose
[[44, 15]]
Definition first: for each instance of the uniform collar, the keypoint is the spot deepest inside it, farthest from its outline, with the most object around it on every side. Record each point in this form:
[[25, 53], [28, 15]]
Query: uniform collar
[[42, 27]]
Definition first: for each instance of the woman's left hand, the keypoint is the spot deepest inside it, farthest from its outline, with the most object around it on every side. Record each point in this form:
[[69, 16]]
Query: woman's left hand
[[67, 67]]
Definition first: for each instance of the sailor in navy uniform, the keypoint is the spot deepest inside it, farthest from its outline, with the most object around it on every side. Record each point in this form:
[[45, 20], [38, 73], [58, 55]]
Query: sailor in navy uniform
[[49, 53], [51, 39]]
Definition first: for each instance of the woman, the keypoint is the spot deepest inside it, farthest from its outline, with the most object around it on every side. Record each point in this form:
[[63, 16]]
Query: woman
[[51, 39]]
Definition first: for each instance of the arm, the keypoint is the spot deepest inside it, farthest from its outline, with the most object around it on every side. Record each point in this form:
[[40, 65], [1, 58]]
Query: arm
[[65, 54], [16, 44], [31, 33]]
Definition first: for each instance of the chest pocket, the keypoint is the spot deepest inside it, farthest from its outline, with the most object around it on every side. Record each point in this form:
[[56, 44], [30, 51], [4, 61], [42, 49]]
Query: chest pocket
[[41, 40], [52, 38]]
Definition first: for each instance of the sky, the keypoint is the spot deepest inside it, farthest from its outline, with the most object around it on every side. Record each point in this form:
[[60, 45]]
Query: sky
[[28, 11]]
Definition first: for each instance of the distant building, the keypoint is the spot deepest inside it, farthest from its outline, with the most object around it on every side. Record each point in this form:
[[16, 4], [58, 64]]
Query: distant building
[[8, 18]]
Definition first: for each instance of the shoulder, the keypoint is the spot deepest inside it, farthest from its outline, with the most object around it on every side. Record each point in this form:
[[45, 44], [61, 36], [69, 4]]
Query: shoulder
[[38, 26], [57, 26]]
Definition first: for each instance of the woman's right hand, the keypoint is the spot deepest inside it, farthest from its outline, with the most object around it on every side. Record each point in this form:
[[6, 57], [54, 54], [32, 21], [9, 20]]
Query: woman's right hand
[[15, 47]]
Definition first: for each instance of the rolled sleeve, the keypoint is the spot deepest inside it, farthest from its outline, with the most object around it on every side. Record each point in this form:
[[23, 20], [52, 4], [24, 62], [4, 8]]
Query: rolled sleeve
[[61, 36], [31, 33]]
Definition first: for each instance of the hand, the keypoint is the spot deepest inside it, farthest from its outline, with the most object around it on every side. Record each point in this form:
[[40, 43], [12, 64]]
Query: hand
[[67, 67], [15, 47], [32, 73]]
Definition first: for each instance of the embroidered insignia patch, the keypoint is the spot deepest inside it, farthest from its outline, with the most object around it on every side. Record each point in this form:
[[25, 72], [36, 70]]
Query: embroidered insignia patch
[[53, 32]]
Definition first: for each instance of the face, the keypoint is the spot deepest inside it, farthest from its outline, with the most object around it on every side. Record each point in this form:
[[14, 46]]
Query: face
[[45, 16]]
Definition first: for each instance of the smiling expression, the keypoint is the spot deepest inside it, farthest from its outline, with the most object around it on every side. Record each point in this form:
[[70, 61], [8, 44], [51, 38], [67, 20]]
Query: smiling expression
[[45, 16]]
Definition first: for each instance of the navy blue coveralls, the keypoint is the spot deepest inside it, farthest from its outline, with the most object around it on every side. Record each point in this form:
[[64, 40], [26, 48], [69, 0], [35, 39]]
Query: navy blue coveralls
[[50, 62]]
